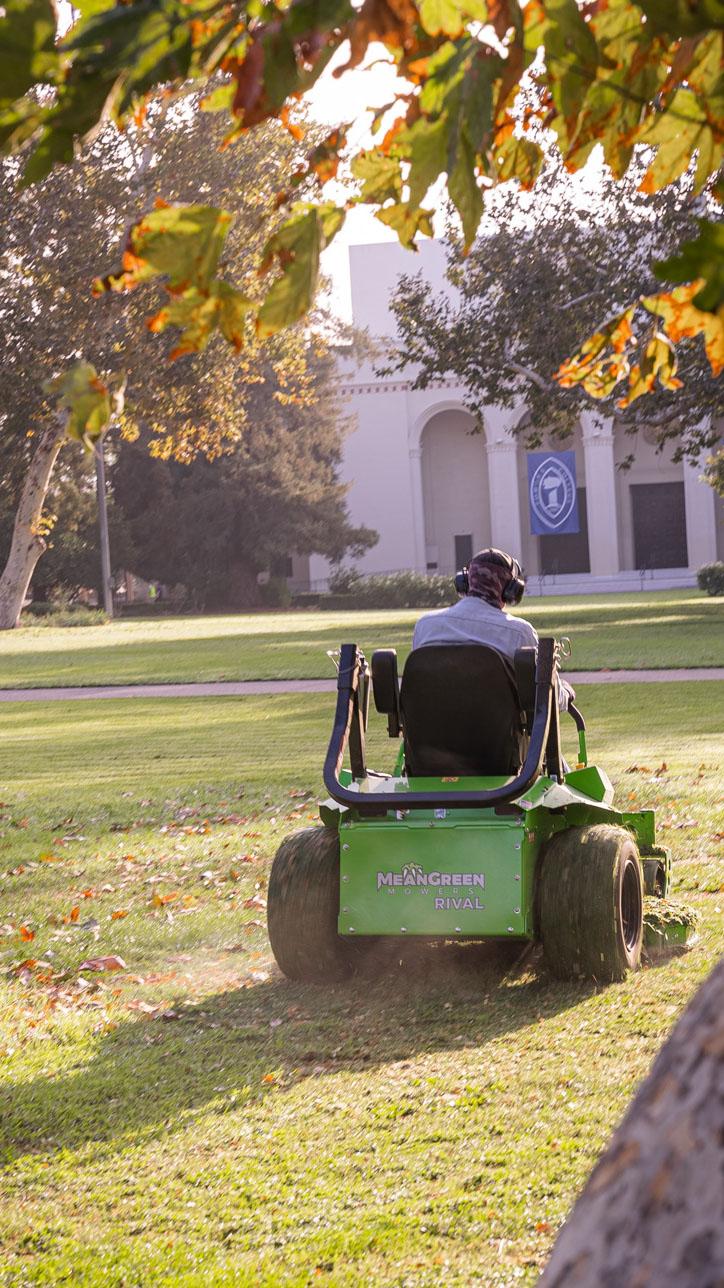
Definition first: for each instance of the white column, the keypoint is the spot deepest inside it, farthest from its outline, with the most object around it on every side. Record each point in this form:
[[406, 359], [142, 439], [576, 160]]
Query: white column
[[502, 452], [418, 509], [700, 504], [598, 451]]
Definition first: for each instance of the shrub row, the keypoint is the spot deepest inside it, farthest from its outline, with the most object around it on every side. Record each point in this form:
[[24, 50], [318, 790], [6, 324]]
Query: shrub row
[[392, 590], [710, 578], [43, 614]]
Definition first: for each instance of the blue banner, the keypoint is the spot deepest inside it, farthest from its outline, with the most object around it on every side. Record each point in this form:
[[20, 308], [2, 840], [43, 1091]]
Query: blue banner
[[552, 496]]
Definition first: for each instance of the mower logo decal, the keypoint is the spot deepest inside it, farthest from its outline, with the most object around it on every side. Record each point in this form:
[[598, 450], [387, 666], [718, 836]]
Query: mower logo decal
[[413, 875]]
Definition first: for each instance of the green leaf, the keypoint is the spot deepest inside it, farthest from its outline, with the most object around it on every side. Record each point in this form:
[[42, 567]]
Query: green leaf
[[19, 123], [681, 17], [296, 247], [464, 191], [85, 401], [445, 70], [144, 44], [571, 55], [701, 258], [81, 103], [380, 175], [181, 243], [518, 158], [407, 221], [444, 16], [425, 143], [677, 133], [27, 47], [220, 99]]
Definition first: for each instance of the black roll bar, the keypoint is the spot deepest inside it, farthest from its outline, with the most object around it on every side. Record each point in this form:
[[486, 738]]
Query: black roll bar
[[348, 717]]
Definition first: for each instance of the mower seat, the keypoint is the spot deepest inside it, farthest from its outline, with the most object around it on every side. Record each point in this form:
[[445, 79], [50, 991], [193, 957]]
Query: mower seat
[[461, 713]]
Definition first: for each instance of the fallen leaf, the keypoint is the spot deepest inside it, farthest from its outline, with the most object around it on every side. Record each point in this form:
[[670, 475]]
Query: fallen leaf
[[26, 934], [159, 900], [256, 901], [103, 963], [119, 914], [269, 1077]]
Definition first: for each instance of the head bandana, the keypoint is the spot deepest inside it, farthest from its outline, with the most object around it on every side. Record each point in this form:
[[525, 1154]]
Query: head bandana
[[487, 580]]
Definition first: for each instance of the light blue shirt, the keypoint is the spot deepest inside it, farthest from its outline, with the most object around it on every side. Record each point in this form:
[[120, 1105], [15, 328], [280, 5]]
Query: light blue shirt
[[474, 621]]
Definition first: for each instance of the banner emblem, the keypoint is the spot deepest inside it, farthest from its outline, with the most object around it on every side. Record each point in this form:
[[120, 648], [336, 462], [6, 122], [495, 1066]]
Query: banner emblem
[[552, 492]]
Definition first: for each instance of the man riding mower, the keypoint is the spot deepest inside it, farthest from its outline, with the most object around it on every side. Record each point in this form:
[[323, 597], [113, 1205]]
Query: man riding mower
[[480, 832]]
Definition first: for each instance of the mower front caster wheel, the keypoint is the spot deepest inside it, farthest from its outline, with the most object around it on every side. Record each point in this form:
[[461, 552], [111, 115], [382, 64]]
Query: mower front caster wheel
[[302, 910], [590, 901]]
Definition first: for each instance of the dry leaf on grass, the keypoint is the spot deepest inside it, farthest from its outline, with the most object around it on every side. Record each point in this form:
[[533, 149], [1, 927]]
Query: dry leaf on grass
[[103, 963], [159, 900]]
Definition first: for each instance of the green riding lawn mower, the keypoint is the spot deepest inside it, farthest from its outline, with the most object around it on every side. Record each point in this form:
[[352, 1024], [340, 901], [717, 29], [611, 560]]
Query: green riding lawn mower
[[481, 832]]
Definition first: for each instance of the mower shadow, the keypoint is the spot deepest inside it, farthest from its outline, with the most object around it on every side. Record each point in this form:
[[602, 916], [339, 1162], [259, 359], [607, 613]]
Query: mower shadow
[[147, 1078]]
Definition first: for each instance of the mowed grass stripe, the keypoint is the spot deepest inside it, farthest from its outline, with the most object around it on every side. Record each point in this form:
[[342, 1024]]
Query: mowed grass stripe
[[82, 756], [658, 629]]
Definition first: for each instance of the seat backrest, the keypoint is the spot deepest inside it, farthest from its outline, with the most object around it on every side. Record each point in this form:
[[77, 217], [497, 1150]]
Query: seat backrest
[[461, 713]]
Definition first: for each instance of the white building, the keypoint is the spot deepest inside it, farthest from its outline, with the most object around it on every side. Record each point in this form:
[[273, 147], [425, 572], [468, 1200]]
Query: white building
[[436, 493]]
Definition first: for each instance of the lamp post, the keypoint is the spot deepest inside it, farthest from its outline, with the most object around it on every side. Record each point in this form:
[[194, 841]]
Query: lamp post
[[103, 525]]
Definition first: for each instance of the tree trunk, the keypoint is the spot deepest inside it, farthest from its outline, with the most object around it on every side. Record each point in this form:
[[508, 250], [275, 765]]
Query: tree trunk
[[27, 544], [652, 1212]]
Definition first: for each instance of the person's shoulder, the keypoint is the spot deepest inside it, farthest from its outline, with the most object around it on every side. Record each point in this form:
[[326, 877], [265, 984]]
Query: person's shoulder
[[433, 615], [525, 628], [425, 624]]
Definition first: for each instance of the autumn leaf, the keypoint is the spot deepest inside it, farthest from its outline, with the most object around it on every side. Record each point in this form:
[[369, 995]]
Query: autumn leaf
[[103, 964], [84, 401], [26, 934], [380, 175], [160, 900], [407, 221], [682, 319], [119, 914]]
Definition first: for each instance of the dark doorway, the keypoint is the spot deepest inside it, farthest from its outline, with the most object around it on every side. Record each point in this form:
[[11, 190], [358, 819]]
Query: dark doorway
[[569, 551], [463, 550], [659, 525]]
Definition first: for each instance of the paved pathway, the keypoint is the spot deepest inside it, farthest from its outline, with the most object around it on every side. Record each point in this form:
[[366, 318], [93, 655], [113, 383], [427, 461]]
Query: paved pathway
[[241, 688]]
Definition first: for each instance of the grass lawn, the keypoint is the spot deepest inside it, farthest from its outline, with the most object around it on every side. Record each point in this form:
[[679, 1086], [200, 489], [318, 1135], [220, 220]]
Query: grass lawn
[[195, 1119], [658, 629]]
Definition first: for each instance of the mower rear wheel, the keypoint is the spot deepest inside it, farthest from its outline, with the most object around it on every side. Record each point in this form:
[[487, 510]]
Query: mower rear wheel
[[303, 906], [590, 901]]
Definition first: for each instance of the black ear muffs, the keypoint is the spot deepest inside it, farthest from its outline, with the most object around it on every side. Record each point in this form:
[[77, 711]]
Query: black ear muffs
[[513, 590]]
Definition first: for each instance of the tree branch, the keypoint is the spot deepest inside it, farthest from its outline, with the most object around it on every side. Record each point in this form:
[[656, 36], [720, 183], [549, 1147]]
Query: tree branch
[[546, 385]]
